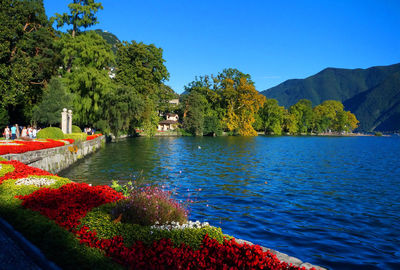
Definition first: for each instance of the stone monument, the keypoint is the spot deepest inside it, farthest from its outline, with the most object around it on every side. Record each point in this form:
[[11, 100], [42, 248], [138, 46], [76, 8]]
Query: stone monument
[[66, 121], [69, 122]]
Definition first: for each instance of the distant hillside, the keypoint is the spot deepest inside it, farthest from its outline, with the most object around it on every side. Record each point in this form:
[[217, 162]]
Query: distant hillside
[[110, 38], [373, 94]]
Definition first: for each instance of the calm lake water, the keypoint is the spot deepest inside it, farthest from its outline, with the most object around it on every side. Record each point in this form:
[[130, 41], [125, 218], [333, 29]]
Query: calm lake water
[[333, 202]]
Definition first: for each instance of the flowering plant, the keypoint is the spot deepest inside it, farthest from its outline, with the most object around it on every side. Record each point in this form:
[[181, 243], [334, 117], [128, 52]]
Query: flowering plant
[[91, 137], [148, 205], [17, 147]]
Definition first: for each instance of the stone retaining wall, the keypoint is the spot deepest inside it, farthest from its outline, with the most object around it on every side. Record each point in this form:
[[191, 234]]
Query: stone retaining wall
[[56, 159]]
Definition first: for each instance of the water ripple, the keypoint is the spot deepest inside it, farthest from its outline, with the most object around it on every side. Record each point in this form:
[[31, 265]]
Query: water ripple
[[334, 202]]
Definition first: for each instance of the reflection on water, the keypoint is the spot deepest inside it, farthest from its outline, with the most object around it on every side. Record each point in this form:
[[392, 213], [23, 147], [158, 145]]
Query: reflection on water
[[330, 201]]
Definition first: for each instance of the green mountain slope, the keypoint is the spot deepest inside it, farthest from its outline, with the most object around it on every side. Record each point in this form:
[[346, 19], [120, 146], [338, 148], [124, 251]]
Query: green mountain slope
[[110, 38], [379, 107], [372, 94]]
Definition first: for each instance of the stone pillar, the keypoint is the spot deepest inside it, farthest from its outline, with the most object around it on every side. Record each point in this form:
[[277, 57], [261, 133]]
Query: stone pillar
[[69, 129], [64, 121]]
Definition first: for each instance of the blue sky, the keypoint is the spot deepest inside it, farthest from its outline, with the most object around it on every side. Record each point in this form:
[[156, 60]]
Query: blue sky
[[271, 40]]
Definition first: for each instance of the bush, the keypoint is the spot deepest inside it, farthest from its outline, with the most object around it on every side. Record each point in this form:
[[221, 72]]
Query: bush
[[76, 129], [103, 222], [78, 137], [148, 205], [51, 133], [378, 133]]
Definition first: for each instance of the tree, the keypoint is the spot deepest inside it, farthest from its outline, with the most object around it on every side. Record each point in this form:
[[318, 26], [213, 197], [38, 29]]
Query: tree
[[88, 58], [141, 66], [272, 117], [289, 123], [352, 122], [56, 98], [302, 111], [242, 102], [27, 56], [122, 110], [82, 14], [193, 121]]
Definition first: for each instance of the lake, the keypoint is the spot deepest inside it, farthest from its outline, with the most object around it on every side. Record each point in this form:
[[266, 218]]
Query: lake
[[330, 201]]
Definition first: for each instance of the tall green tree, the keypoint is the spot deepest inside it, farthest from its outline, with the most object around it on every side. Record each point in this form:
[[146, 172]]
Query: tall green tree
[[193, 121], [82, 14], [86, 63], [121, 111], [142, 67], [56, 97], [27, 56], [272, 116], [302, 111]]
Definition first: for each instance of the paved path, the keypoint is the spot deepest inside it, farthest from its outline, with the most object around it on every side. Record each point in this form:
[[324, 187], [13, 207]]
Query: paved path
[[18, 253], [12, 256]]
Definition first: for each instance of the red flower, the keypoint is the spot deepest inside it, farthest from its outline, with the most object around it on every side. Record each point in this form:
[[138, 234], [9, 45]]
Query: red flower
[[21, 170], [69, 203], [25, 146]]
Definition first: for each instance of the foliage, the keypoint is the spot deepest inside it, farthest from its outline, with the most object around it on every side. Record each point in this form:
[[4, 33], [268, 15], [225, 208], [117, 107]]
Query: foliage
[[27, 56], [48, 111], [124, 189], [82, 14], [378, 133], [272, 117], [4, 118], [122, 110], [148, 205], [193, 121], [102, 221], [76, 129], [78, 137], [50, 133], [141, 66], [303, 114]]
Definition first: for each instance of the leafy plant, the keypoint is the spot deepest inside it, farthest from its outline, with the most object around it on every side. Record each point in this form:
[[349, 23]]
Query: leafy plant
[[76, 129], [78, 137], [124, 189], [50, 133], [101, 220]]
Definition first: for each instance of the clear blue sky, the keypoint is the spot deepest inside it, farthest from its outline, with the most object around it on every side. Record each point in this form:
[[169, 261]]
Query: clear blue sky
[[271, 40]]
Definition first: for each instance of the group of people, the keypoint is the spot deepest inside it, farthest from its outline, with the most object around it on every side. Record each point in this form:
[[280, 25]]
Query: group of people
[[15, 132], [89, 131]]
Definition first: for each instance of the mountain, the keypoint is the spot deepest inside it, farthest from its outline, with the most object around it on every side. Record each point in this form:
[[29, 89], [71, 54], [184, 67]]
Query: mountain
[[372, 94], [110, 38]]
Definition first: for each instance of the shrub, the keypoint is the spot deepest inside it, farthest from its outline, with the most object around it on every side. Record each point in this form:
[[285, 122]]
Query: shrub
[[378, 133], [148, 205], [51, 133], [76, 129], [100, 220], [78, 137]]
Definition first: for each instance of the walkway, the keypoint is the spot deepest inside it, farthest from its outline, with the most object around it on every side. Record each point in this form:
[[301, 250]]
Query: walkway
[[18, 253]]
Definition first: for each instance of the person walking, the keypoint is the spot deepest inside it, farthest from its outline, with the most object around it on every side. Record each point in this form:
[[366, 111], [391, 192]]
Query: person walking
[[24, 132], [7, 133], [14, 132]]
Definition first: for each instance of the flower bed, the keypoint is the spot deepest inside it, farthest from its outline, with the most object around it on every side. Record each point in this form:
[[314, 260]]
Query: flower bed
[[76, 219], [91, 137], [17, 146]]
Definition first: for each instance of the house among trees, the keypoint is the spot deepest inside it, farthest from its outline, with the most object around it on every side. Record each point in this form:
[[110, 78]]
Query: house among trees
[[171, 122]]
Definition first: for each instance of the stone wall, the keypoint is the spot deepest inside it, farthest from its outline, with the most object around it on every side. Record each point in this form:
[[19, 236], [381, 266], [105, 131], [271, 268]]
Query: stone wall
[[56, 159]]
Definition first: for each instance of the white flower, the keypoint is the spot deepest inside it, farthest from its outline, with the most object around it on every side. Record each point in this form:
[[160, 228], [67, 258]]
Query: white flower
[[39, 182]]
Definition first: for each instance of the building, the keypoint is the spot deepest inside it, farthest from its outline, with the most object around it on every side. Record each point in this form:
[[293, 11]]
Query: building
[[171, 122]]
